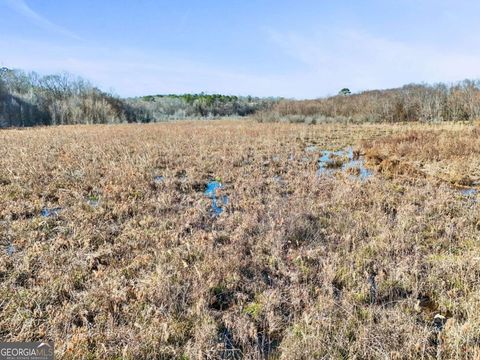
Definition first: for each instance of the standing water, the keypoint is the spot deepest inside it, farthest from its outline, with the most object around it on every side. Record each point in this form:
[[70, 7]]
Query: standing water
[[218, 202], [332, 162]]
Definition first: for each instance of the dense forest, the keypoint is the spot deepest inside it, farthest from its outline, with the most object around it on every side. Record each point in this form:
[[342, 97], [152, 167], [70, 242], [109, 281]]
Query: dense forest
[[28, 99]]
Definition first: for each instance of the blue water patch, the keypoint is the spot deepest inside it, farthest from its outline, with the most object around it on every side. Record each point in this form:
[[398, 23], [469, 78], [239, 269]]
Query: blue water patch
[[218, 202], [53, 212], [470, 195], [469, 192], [158, 179], [326, 160], [353, 165], [212, 187], [358, 167], [10, 249]]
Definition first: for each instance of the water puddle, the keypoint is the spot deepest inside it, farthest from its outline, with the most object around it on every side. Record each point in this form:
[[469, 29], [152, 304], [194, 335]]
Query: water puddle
[[159, 179], [469, 192], [218, 202], [332, 162], [10, 249], [469, 195], [52, 212]]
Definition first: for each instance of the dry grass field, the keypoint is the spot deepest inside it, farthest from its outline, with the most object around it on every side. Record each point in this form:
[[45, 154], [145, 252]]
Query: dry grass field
[[109, 245]]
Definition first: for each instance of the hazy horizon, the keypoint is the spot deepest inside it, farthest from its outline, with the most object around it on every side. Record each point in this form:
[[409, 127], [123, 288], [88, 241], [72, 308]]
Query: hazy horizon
[[299, 49]]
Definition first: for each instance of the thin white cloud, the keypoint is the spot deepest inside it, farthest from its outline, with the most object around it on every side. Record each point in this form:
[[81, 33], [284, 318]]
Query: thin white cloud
[[327, 63], [21, 7], [361, 60], [132, 72]]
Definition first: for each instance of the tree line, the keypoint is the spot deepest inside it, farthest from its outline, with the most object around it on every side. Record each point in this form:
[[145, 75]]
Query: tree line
[[165, 107], [414, 102], [28, 99]]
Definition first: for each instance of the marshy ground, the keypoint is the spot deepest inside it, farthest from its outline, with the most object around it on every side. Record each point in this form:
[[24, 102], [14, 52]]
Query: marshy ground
[[114, 245]]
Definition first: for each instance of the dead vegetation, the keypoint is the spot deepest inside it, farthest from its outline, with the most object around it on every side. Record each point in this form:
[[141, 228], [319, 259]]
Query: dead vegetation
[[298, 266], [451, 155], [414, 102]]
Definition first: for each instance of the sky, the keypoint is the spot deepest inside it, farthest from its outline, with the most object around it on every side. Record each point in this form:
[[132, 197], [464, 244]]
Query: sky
[[288, 48]]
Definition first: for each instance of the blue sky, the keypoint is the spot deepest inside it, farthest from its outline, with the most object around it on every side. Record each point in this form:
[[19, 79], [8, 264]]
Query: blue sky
[[300, 49]]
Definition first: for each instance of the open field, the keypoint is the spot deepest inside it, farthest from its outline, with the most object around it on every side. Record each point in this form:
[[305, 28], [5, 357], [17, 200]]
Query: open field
[[109, 246]]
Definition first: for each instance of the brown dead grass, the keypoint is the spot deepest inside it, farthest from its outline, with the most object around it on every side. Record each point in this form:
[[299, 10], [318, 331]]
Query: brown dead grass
[[301, 268], [450, 154]]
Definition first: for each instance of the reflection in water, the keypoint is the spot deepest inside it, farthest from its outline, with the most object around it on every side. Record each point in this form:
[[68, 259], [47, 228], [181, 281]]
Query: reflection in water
[[346, 160], [218, 202], [53, 212]]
